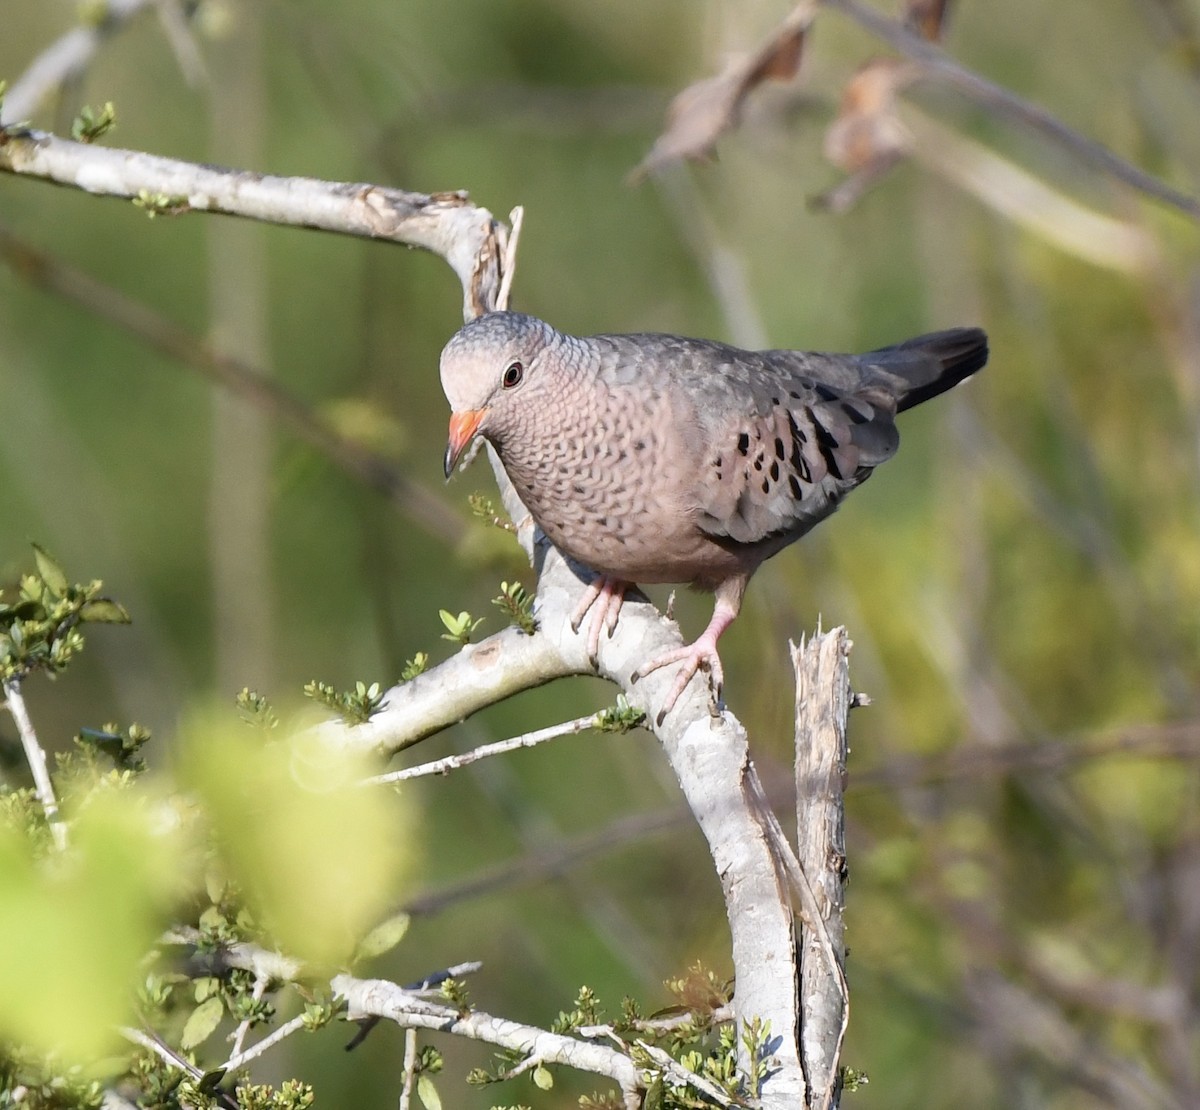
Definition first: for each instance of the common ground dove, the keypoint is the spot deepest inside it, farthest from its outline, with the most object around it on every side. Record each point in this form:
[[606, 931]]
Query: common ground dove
[[655, 458]]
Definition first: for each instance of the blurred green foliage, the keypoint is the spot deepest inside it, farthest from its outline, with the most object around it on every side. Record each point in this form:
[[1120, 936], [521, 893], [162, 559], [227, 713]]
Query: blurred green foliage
[[1023, 579]]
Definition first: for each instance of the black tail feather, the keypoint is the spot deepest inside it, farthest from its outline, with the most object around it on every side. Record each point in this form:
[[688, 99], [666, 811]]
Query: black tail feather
[[931, 364]]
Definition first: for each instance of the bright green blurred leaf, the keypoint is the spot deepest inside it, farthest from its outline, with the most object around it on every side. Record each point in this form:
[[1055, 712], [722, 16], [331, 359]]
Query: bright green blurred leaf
[[202, 1022], [543, 1078], [77, 925], [317, 856], [52, 574], [103, 611], [383, 938], [427, 1093]]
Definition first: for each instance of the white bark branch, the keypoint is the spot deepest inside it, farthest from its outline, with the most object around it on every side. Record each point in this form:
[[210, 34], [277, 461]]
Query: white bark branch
[[35, 756], [379, 998], [447, 224], [484, 751]]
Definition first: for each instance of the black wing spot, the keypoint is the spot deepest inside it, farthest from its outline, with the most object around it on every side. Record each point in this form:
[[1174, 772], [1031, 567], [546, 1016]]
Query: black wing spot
[[778, 448], [758, 463], [827, 445], [744, 444], [774, 472], [825, 392], [855, 414], [640, 445], [766, 487], [794, 486]]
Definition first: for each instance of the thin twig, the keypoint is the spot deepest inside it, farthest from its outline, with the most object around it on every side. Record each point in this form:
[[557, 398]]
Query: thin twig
[[259, 1047], [35, 755], [153, 1044], [410, 1068], [508, 268], [261, 983], [675, 1071], [500, 747], [720, 1015]]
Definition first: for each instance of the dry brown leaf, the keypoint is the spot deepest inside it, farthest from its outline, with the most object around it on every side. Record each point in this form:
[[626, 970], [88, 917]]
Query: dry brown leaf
[[927, 17], [866, 138], [865, 128], [704, 110]]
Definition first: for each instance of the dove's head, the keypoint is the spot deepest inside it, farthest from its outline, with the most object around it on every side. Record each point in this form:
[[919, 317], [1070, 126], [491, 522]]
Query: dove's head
[[487, 369]]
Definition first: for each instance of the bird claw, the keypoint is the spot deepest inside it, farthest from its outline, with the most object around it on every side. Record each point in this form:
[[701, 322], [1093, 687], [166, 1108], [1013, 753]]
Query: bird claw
[[701, 655], [604, 596]]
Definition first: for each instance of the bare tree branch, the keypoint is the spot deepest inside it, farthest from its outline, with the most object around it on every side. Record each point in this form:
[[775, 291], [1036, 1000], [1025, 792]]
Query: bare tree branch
[[35, 756], [447, 224], [822, 707]]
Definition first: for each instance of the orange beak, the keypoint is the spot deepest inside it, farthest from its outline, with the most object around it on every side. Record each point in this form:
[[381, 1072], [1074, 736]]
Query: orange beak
[[463, 426]]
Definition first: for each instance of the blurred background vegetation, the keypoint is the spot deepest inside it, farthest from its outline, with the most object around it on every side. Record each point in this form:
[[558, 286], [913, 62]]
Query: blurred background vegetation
[[1022, 584]]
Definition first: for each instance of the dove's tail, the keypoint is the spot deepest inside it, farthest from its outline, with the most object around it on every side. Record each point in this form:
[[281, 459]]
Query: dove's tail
[[922, 368]]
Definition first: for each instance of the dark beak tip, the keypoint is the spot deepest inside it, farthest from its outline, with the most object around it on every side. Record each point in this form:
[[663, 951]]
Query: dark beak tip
[[449, 461]]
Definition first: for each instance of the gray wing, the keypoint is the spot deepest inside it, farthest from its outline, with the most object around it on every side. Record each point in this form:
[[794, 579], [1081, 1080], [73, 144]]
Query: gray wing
[[780, 437], [789, 442], [775, 438]]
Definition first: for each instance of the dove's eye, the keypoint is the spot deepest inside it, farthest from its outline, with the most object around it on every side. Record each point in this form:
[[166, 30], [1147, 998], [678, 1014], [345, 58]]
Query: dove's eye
[[512, 376]]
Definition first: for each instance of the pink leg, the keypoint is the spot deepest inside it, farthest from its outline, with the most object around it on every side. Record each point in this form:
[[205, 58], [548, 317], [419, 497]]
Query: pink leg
[[702, 653], [604, 596]]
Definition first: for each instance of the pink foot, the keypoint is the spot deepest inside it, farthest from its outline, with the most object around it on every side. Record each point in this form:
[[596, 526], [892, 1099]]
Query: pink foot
[[604, 597], [701, 654]]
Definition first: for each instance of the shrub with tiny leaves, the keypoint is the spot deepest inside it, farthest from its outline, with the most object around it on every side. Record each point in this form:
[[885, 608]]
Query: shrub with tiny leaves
[[517, 603], [39, 628], [460, 629], [353, 706], [91, 125]]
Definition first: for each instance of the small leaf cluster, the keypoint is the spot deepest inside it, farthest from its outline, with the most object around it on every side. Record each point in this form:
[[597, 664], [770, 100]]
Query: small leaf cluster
[[484, 508], [90, 125], [27, 1080], [586, 1011], [292, 1095], [354, 706], [160, 204], [39, 628], [122, 746], [620, 717], [455, 993], [256, 710], [460, 629], [427, 1064], [418, 664], [517, 603]]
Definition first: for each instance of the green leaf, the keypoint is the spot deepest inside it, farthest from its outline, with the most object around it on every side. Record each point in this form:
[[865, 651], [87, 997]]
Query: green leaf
[[52, 574], [427, 1093], [383, 938], [202, 1022], [104, 611], [319, 858], [542, 1077]]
